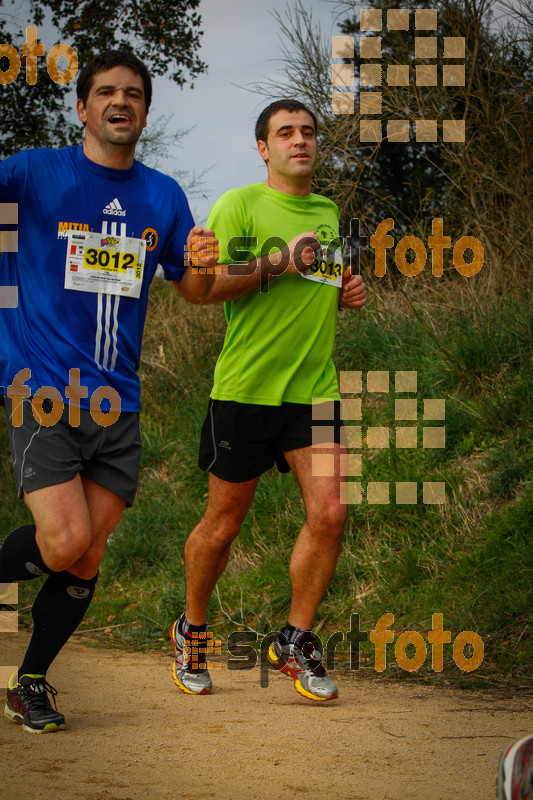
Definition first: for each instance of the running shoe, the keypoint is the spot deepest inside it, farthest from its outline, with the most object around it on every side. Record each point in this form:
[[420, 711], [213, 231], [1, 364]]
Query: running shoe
[[515, 775], [303, 662], [28, 702], [188, 654]]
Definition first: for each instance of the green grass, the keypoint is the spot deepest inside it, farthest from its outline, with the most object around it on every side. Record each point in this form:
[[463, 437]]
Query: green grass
[[470, 560]]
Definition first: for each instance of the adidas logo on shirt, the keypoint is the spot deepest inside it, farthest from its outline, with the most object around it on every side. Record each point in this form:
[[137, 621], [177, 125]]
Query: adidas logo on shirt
[[114, 208]]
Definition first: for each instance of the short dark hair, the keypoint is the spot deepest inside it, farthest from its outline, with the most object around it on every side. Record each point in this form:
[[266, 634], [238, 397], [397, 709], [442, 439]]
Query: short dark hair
[[261, 126], [107, 60]]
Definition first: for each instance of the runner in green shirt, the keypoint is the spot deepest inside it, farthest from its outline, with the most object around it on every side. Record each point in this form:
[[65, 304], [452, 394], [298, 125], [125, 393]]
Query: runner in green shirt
[[276, 361]]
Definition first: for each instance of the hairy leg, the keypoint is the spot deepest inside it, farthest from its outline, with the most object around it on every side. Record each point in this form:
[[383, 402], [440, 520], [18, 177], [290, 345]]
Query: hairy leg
[[317, 547], [208, 546]]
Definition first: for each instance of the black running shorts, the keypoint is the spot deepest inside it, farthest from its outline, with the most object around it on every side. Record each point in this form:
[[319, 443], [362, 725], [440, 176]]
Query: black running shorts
[[45, 456], [240, 441]]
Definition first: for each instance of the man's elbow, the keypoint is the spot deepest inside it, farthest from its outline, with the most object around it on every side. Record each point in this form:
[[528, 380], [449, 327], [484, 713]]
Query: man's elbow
[[196, 296]]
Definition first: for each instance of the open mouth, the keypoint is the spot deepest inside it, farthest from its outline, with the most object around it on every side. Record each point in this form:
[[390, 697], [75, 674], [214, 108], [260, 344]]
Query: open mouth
[[119, 119]]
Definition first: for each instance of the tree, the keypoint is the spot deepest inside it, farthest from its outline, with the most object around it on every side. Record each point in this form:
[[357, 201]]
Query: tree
[[367, 181], [164, 34], [483, 186]]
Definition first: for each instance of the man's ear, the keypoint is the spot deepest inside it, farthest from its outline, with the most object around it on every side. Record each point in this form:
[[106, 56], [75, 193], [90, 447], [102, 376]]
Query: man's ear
[[263, 150], [80, 108]]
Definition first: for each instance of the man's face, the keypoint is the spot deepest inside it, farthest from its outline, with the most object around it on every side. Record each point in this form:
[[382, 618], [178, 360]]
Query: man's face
[[115, 112], [290, 150]]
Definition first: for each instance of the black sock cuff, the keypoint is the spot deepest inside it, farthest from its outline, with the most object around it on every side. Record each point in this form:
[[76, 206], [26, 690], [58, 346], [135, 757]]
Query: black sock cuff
[[290, 633], [77, 588], [67, 578], [186, 627]]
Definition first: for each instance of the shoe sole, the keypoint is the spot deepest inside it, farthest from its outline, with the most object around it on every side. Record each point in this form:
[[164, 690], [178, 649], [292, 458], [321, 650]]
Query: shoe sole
[[285, 668], [184, 688], [50, 727], [175, 677]]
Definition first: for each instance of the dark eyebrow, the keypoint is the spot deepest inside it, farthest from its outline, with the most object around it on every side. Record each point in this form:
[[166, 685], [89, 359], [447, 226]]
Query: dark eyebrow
[[111, 86], [291, 127]]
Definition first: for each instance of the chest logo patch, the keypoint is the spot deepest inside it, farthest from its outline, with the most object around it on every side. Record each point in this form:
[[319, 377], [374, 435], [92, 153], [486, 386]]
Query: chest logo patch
[[151, 238]]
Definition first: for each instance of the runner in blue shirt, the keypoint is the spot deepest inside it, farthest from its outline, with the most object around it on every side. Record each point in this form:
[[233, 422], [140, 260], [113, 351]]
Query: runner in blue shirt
[[93, 226]]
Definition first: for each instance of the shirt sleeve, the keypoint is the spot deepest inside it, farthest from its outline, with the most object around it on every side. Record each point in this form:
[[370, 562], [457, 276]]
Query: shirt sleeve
[[13, 177], [172, 258], [227, 219]]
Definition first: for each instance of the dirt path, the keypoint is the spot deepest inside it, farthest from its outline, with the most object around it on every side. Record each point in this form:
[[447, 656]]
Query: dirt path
[[132, 735]]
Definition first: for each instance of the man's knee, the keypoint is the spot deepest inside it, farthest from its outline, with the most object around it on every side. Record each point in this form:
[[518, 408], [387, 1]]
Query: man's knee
[[60, 548], [222, 529], [88, 565], [328, 518]]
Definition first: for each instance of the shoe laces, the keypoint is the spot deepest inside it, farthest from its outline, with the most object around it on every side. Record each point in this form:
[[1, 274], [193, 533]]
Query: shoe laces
[[308, 656], [35, 692], [194, 650]]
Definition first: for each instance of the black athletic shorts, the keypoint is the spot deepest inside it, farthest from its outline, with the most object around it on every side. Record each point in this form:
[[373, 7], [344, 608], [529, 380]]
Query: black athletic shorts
[[45, 456], [240, 441]]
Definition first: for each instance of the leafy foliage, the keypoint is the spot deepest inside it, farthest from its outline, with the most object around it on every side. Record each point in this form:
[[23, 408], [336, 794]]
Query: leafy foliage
[[165, 35], [482, 187]]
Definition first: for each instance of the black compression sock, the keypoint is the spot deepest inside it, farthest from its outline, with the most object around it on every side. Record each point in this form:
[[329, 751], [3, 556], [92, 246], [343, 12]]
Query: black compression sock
[[289, 633], [186, 627], [20, 557], [57, 611]]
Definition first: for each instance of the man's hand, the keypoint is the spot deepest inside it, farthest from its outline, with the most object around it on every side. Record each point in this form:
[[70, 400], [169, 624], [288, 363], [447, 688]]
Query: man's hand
[[353, 292], [302, 251], [202, 251], [201, 256]]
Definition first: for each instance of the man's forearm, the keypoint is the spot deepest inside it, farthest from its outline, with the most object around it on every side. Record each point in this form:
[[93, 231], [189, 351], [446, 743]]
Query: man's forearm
[[194, 286], [236, 280]]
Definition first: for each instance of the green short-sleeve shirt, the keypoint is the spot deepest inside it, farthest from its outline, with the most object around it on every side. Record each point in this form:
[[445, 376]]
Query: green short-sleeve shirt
[[279, 342]]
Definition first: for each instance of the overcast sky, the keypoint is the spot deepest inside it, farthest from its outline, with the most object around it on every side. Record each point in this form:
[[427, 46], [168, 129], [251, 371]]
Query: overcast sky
[[241, 45]]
